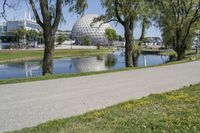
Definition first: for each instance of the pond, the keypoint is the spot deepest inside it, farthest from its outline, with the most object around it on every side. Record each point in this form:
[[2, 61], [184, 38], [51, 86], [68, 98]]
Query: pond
[[4, 46], [75, 65]]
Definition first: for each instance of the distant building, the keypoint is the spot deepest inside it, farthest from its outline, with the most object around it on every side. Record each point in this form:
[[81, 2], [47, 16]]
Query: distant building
[[153, 41], [25, 24], [196, 41], [66, 33], [7, 27], [84, 28], [3, 28], [118, 43]]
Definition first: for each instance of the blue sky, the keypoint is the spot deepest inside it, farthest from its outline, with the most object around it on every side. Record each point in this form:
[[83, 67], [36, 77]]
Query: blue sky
[[93, 8]]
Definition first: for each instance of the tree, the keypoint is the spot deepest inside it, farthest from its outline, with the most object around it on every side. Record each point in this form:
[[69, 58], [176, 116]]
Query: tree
[[124, 12], [32, 36], [61, 38], [49, 19], [178, 21], [145, 16], [120, 38], [20, 36], [87, 41], [110, 61], [111, 35]]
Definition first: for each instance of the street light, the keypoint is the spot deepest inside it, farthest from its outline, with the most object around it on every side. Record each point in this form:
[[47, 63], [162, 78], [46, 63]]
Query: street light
[[198, 41]]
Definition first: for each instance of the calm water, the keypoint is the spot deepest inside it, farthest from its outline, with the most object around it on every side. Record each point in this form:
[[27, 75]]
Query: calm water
[[4, 45], [75, 65]]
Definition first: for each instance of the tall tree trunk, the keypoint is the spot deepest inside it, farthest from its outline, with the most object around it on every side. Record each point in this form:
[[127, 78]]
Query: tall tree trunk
[[136, 52], [48, 56], [143, 29], [135, 59], [180, 45], [180, 53], [128, 46], [49, 26], [49, 39]]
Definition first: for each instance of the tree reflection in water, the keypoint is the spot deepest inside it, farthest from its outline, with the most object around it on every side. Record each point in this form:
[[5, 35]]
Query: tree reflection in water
[[110, 61]]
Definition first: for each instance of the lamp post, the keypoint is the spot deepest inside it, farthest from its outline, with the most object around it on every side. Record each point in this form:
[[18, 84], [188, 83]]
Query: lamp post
[[198, 41], [145, 61]]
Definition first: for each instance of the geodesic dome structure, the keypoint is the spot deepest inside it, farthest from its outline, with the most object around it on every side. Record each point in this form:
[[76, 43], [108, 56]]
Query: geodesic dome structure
[[83, 28]]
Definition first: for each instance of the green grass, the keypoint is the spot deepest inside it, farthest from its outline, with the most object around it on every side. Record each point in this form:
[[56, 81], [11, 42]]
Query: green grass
[[167, 53], [69, 53], [58, 76], [19, 55], [172, 112], [187, 54], [50, 77]]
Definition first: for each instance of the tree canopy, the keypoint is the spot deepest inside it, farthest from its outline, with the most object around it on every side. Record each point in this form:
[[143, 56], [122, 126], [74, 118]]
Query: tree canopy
[[87, 41], [111, 34], [178, 21], [125, 13]]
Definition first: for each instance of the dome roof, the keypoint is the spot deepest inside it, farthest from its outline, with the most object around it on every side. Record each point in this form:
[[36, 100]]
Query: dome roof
[[96, 32]]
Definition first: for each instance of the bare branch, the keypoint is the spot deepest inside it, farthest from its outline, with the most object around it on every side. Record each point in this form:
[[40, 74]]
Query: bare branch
[[5, 4], [58, 15], [117, 12], [36, 13]]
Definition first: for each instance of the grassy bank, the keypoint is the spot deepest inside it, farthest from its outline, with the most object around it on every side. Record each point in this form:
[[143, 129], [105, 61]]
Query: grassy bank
[[176, 111], [167, 52], [50, 77], [58, 76], [187, 53], [19, 55]]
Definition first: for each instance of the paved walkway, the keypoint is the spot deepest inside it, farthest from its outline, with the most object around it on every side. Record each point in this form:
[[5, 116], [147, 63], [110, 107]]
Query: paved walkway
[[28, 104]]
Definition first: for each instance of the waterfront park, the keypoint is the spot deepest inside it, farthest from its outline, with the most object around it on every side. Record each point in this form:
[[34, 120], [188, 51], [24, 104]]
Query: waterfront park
[[116, 66]]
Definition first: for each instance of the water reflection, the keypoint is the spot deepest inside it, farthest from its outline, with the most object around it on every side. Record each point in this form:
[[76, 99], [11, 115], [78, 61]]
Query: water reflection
[[100, 57], [20, 69], [30, 67], [89, 64], [75, 65], [110, 61]]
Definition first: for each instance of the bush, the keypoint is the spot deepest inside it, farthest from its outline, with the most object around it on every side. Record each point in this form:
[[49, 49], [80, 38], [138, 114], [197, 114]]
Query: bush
[[87, 41], [172, 58]]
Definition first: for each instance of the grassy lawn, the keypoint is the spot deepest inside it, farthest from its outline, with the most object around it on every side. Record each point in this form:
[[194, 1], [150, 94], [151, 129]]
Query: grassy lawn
[[19, 55], [176, 111]]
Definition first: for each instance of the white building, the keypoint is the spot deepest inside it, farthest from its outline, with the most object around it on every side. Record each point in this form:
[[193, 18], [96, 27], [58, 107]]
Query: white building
[[25, 24], [153, 41], [3, 28], [196, 41], [84, 28], [7, 27]]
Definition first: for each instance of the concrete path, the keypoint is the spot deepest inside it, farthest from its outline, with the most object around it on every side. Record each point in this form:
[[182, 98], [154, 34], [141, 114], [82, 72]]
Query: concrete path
[[28, 104]]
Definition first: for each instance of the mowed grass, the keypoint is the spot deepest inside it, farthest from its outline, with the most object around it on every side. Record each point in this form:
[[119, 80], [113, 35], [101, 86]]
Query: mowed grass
[[176, 111], [18, 55]]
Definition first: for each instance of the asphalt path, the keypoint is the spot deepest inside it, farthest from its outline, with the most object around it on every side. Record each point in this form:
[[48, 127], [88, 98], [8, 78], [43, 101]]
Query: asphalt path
[[28, 104]]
